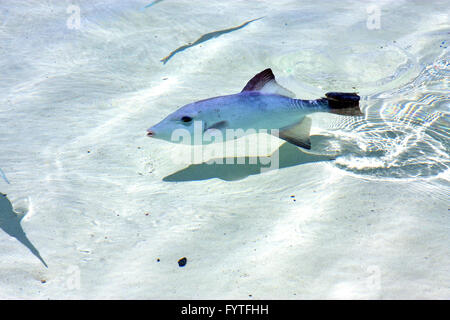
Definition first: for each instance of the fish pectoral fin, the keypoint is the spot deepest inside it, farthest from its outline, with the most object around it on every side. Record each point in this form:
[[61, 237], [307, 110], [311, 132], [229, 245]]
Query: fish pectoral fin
[[298, 133], [216, 128], [218, 125], [265, 82]]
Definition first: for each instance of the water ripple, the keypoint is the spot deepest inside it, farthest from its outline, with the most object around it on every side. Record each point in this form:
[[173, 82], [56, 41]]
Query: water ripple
[[401, 138], [343, 69]]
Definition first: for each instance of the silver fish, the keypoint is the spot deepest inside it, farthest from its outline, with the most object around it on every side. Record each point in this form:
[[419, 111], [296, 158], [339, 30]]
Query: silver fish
[[262, 104]]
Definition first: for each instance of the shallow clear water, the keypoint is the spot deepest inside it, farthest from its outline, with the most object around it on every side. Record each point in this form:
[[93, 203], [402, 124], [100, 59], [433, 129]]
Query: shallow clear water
[[363, 215]]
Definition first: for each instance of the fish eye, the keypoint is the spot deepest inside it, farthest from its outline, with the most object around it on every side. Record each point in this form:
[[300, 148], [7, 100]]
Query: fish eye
[[186, 119]]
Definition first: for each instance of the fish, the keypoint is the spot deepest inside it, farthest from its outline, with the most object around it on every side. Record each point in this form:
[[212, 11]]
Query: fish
[[262, 104]]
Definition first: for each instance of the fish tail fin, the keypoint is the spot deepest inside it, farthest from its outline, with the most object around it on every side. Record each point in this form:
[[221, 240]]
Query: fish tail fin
[[346, 104]]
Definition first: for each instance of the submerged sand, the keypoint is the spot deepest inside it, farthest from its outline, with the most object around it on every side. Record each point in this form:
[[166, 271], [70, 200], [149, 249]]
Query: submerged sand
[[111, 212]]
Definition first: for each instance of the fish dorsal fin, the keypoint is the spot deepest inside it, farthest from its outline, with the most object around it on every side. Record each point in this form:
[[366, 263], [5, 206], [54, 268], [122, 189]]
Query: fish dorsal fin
[[298, 133], [259, 80], [265, 82]]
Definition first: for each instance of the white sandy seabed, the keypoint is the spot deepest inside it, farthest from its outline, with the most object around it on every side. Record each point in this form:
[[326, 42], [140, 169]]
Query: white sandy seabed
[[111, 212]]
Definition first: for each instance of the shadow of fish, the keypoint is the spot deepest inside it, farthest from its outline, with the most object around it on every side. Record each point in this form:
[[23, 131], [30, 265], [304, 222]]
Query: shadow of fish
[[10, 223], [206, 37], [4, 176], [152, 4], [289, 156]]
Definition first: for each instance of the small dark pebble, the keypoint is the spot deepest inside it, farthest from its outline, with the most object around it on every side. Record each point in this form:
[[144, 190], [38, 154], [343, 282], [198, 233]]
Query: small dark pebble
[[89, 151], [158, 260], [292, 196], [182, 262], [43, 281]]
